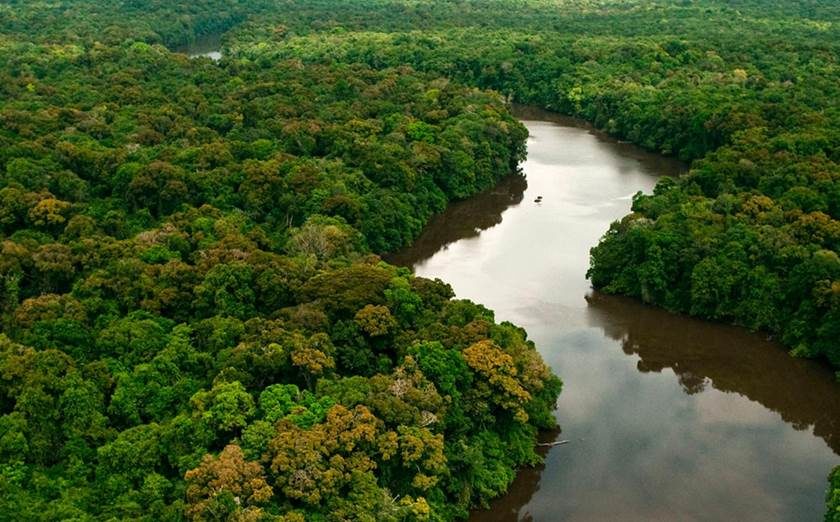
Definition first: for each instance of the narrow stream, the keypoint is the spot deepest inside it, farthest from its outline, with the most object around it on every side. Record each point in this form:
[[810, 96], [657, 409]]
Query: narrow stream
[[668, 418]]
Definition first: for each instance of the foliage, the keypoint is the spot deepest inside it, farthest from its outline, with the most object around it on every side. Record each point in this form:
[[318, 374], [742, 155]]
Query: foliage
[[193, 323], [833, 497], [184, 245], [749, 235]]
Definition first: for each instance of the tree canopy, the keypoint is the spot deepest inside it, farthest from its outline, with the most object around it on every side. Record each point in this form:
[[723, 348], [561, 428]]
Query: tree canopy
[[193, 323]]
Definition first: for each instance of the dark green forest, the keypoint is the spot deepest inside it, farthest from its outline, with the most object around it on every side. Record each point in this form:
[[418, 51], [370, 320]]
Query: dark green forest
[[194, 323], [195, 320], [751, 234]]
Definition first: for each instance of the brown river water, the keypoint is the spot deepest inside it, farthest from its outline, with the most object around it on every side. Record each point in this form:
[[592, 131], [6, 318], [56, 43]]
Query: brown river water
[[667, 417]]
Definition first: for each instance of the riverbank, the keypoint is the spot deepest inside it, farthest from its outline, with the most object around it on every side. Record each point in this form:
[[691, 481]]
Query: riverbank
[[666, 415]]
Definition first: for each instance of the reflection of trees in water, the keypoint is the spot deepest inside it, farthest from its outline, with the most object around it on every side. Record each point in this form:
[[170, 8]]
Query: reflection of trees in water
[[729, 359], [463, 219], [507, 507]]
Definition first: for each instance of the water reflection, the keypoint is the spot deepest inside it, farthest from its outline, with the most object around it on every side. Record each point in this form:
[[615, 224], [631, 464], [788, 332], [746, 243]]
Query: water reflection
[[728, 359], [527, 481], [463, 220]]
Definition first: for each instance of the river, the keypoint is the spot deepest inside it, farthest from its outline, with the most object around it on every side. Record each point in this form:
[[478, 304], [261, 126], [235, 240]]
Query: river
[[667, 417]]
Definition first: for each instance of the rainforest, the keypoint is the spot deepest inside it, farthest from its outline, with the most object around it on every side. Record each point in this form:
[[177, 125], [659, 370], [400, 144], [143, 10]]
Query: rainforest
[[196, 320]]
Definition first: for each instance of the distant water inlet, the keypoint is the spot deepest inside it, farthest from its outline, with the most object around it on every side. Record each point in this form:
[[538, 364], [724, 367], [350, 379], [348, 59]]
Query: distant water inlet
[[667, 417], [208, 45]]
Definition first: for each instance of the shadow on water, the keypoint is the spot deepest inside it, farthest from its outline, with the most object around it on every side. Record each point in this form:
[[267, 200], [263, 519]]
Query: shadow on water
[[727, 358], [508, 507], [463, 220]]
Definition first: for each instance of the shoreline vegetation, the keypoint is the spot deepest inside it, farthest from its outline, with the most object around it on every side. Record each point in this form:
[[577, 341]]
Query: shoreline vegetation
[[187, 283], [194, 323]]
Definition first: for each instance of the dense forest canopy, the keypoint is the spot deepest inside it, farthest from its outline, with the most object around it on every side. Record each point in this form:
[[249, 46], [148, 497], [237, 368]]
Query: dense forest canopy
[[192, 322], [751, 234]]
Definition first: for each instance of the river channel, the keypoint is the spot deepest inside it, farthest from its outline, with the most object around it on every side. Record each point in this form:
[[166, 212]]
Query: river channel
[[667, 417]]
